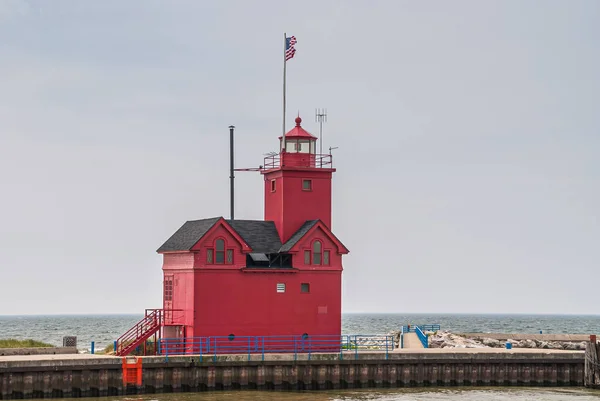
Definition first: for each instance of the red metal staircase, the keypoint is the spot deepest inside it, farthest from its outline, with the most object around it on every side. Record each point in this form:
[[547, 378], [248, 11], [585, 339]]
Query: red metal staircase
[[143, 330]]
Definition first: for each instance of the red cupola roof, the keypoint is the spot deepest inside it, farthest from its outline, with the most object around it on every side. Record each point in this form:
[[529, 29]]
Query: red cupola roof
[[298, 132]]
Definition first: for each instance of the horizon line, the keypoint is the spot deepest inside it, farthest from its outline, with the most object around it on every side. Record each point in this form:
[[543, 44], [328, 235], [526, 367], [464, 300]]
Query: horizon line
[[343, 313]]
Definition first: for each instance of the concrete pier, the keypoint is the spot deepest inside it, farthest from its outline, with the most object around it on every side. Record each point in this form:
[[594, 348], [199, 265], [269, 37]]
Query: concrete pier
[[411, 340], [63, 376]]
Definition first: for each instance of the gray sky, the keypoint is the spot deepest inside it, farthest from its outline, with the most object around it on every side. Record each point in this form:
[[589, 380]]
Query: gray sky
[[468, 134]]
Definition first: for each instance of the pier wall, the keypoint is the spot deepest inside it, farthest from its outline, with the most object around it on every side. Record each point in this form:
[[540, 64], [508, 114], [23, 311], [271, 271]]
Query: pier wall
[[93, 376]]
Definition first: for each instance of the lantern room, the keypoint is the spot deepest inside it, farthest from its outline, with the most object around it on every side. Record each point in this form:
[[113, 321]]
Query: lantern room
[[298, 147]]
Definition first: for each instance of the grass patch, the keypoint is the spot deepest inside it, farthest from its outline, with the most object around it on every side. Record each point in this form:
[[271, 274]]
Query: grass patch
[[14, 343], [109, 349]]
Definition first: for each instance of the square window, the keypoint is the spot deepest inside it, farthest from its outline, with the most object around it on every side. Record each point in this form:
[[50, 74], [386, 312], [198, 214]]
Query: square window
[[230, 256], [307, 185], [305, 287], [209, 256], [273, 185], [280, 287], [307, 257], [326, 257]]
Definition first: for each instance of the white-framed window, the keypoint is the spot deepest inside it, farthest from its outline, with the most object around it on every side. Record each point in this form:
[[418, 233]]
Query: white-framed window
[[280, 287]]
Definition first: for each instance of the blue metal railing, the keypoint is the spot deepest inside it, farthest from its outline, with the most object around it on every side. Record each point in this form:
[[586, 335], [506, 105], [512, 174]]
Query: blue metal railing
[[422, 337], [423, 327], [260, 345], [419, 329]]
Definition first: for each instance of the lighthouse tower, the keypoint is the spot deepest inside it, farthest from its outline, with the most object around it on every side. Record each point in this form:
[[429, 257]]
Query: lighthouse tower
[[297, 183]]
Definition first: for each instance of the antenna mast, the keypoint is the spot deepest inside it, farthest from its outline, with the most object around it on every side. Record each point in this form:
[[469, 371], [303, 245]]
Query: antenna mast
[[321, 117]]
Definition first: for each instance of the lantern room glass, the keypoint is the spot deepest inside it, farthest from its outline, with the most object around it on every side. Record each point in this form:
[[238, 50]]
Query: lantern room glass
[[307, 146], [304, 146]]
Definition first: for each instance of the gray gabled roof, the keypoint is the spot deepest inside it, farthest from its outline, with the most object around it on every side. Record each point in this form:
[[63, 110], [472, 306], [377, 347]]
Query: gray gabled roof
[[298, 235], [187, 235], [260, 235]]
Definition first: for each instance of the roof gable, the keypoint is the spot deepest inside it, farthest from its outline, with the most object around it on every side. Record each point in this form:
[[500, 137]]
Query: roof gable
[[298, 235], [308, 227], [188, 235], [222, 223], [254, 235]]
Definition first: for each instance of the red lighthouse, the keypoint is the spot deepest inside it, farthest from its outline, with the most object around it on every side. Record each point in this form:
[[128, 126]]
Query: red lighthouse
[[279, 276]]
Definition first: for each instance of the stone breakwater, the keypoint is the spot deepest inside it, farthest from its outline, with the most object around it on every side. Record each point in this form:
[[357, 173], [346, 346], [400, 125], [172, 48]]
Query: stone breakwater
[[446, 339]]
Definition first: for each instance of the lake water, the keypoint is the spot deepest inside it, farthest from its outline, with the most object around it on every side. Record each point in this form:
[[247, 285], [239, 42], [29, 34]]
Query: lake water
[[479, 394], [104, 329]]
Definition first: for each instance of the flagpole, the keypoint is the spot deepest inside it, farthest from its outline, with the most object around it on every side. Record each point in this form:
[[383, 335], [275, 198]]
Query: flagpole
[[284, 64]]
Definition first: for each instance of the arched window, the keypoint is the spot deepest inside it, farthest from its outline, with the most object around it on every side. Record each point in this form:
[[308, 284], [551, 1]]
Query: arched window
[[317, 253], [220, 251]]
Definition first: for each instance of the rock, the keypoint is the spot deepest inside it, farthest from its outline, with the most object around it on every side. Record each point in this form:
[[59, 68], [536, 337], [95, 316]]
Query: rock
[[490, 342], [446, 339], [574, 346], [526, 344]]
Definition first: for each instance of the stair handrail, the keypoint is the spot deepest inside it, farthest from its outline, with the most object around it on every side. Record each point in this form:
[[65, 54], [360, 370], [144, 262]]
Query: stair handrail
[[129, 341], [148, 322]]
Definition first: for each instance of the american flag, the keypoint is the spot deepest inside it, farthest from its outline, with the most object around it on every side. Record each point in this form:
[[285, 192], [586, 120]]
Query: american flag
[[289, 47]]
